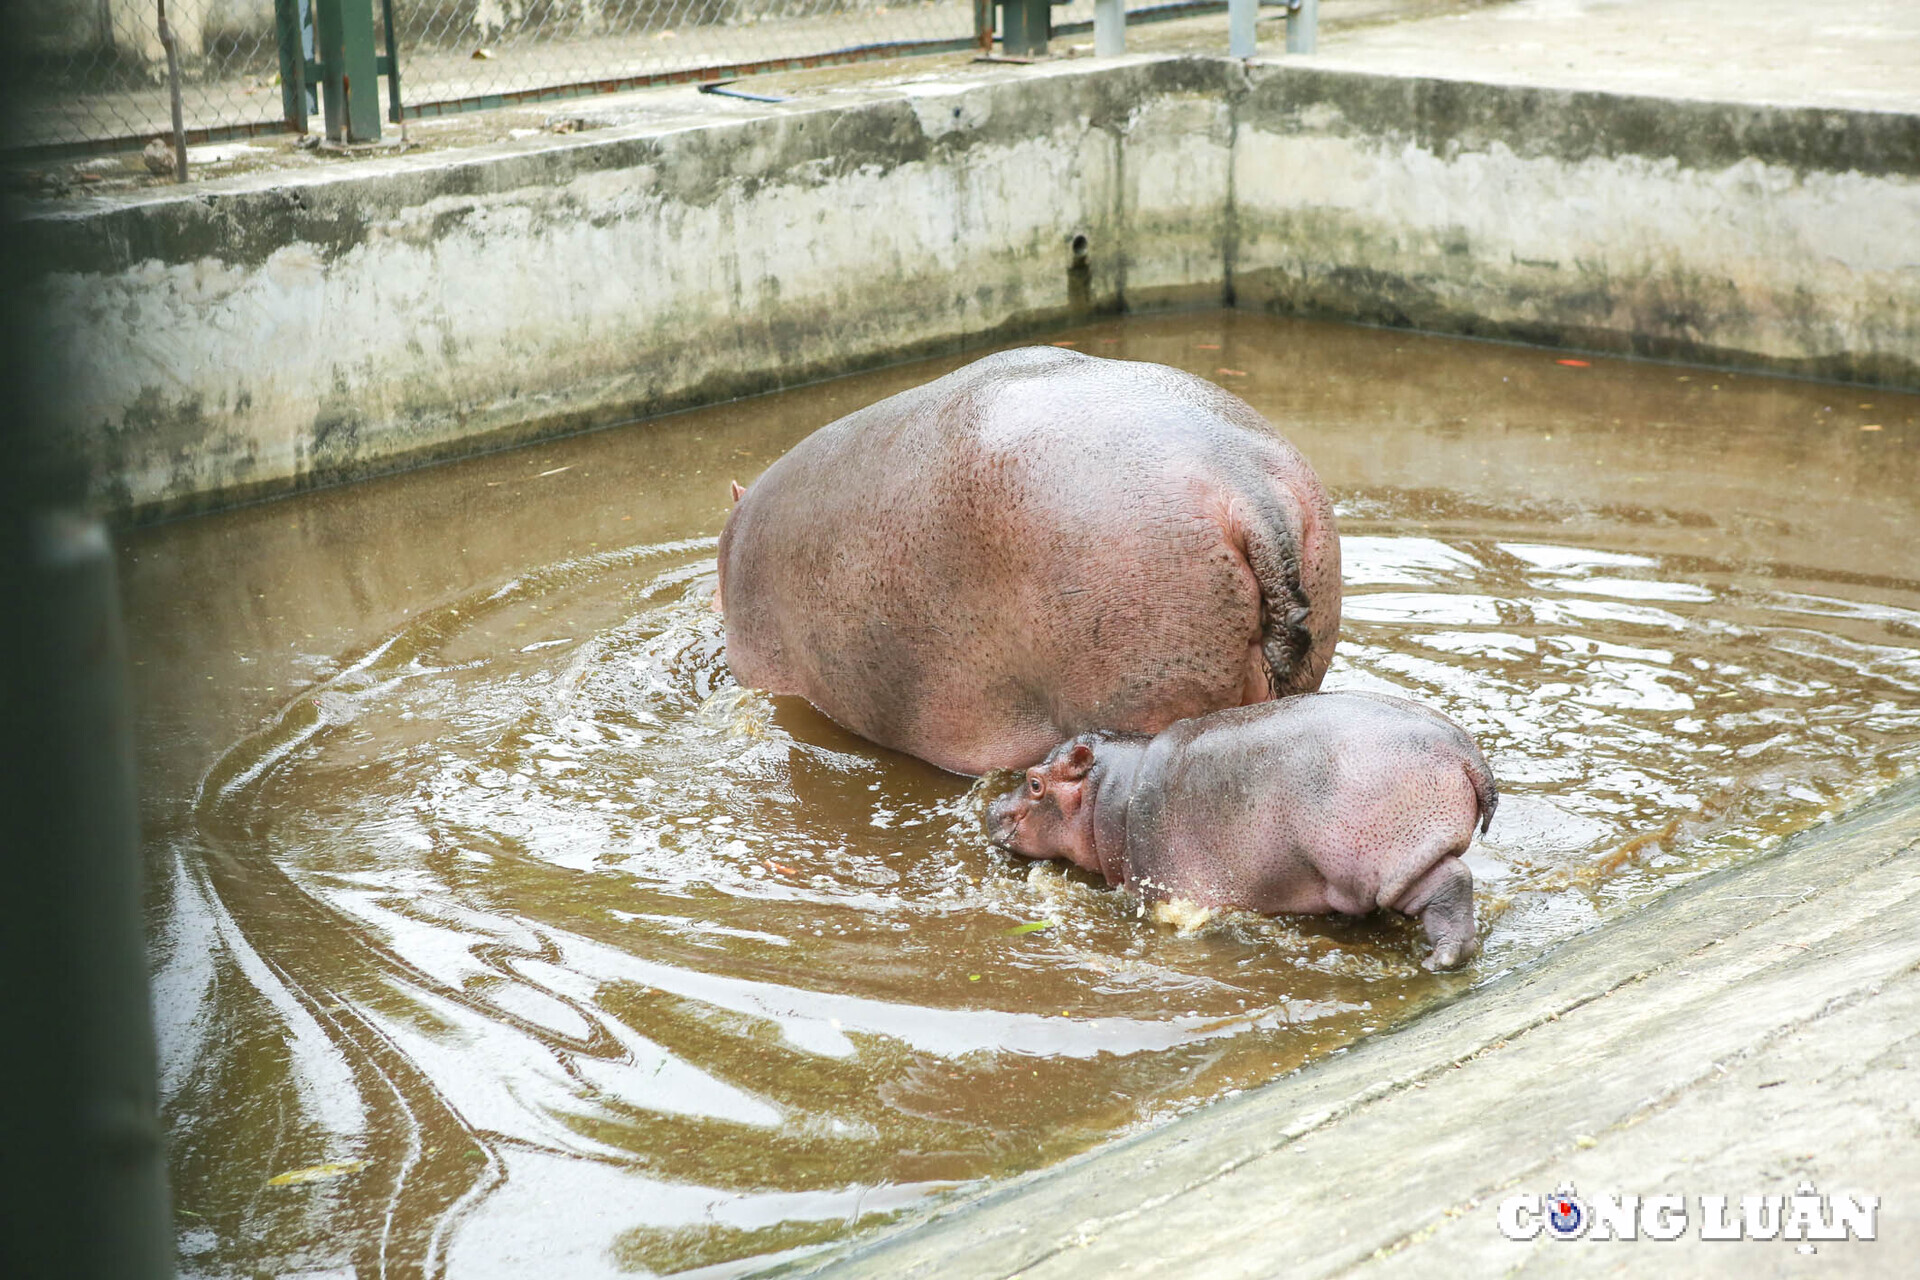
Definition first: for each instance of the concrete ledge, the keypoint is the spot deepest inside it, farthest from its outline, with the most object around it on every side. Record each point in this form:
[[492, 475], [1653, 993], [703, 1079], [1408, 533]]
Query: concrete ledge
[[1755, 1029], [1755, 237], [260, 334], [267, 333]]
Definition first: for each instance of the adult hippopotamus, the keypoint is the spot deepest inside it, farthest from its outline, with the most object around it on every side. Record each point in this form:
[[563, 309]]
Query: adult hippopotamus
[[1325, 802], [1039, 544]]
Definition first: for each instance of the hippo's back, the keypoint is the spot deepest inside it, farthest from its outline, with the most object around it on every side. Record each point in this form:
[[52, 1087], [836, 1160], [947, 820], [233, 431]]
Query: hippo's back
[[1037, 544]]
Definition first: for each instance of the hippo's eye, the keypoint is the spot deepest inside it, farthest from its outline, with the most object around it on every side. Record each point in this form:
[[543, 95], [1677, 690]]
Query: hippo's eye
[[1033, 786]]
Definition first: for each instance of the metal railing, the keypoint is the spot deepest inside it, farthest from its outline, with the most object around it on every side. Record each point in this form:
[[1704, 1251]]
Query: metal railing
[[96, 73]]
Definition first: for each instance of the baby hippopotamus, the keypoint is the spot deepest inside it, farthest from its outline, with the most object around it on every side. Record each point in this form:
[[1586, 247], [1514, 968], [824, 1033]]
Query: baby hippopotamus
[[1314, 803]]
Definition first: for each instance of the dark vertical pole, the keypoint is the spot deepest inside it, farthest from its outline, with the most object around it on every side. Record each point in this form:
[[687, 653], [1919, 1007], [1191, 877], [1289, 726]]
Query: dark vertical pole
[[293, 63], [360, 73], [75, 876], [1025, 27], [393, 64], [350, 79], [84, 1183], [328, 51]]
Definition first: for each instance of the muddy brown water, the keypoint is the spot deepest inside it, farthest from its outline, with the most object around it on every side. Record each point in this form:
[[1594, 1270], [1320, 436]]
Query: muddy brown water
[[486, 906]]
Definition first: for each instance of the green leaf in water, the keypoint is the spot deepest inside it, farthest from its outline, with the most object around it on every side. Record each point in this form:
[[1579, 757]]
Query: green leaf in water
[[1032, 926], [316, 1173]]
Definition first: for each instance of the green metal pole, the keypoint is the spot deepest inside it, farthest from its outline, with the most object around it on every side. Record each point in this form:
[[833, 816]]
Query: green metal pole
[[1241, 17], [349, 72], [1303, 26], [1025, 26], [293, 63], [393, 64]]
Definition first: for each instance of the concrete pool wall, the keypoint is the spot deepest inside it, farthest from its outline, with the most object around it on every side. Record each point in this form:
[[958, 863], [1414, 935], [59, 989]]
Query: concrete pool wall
[[259, 334]]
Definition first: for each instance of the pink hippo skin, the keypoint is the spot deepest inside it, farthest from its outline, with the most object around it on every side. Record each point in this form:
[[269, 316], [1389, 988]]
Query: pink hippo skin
[[1326, 802], [1037, 545]]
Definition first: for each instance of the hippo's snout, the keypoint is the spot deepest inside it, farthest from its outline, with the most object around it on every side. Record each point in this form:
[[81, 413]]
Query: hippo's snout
[[1002, 818]]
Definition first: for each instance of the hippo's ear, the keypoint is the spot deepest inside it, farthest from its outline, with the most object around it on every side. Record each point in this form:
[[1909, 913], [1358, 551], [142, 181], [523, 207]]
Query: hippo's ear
[[739, 490], [1078, 761]]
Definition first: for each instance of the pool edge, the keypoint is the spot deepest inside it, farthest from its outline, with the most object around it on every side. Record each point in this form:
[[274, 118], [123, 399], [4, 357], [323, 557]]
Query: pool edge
[[1386, 1155]]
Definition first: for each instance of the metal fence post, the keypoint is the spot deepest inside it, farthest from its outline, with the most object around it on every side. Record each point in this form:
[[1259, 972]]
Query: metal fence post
[[389, 66], [1303, 23], [1241, 15], [348, 72], [1025, 26], [288, 32], [1109, 28]]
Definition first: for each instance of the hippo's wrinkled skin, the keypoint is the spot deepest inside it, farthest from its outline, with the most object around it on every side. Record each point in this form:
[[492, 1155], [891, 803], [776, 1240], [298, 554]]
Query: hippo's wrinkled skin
[[1037, 545], [1326, 802]]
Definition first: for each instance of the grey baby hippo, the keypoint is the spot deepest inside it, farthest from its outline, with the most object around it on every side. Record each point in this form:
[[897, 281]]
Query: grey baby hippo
[[1321, 802]]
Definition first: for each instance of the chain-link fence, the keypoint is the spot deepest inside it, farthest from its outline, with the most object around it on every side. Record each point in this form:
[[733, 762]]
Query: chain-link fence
[[96, 71], [460, 52]]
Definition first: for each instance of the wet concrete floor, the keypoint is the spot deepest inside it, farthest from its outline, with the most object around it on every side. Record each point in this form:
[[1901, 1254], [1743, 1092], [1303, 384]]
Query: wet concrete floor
[[486, 907]]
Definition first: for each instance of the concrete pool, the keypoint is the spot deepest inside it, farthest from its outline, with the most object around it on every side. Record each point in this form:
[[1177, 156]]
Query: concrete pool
[[479, 889]]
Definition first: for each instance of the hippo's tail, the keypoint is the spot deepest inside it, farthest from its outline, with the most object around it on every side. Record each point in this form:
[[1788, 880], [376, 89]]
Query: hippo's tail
[[1486, 792], [1288, 644], [1286, 639], [1284, 523]]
